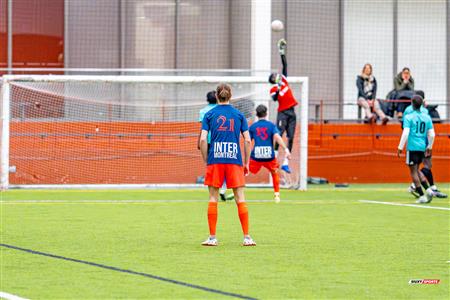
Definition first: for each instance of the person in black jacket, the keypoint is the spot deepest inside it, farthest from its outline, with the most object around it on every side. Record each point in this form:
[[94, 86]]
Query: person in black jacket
[[367, 91]]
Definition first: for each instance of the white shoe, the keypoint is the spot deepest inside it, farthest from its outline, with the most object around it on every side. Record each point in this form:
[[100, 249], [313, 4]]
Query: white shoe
[[412, 190], [210, 242], [248, 241], [424, 199], [277, 198]]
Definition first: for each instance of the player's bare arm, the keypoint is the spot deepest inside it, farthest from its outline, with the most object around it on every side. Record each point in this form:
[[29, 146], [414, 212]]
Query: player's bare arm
[[198, 140], [247, 149], [203, 143]]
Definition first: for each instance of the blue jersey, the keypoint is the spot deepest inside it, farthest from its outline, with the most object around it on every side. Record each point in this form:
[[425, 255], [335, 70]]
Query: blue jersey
[[202, 114], [418, 124], [225, 123], [410, 109], [262, 133]]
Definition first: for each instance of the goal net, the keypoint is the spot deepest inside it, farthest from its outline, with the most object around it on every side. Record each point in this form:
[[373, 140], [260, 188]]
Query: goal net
[[63, 130]]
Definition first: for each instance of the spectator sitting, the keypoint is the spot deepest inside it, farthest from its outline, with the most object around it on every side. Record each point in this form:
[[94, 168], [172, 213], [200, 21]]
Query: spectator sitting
[[404, 89], [367, 91]]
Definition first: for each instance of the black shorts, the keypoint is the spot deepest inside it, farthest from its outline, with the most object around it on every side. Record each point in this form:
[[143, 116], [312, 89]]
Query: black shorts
[[287, 121], [414, 157]]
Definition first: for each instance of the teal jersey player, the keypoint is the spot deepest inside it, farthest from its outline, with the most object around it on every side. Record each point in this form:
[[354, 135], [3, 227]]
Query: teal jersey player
[[410, 109], [202, 113], [204, 110], [419, 124], [419, 133]]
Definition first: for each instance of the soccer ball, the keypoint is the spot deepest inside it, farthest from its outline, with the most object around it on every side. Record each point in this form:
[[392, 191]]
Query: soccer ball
[[277, 25]]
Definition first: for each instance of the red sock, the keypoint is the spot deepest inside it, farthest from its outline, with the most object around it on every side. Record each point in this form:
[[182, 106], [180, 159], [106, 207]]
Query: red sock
[[276, 181], [243, 216], [212, 217]]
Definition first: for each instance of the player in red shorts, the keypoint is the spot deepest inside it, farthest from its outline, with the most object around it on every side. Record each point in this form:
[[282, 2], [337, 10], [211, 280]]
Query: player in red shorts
[[264, 134], [224, 160]]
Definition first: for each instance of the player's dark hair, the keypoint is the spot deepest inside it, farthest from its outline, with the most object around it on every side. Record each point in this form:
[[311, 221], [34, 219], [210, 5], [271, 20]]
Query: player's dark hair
[[223, 92], [417, 102], [272, 78], [420, 93], [211, 97], [406, 69], [261, 111]]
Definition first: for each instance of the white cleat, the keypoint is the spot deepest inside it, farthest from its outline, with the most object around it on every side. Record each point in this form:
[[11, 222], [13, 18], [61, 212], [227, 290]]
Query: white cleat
[[210, 242], [277, 198], [424, 199], [412, 190], [248, 241]]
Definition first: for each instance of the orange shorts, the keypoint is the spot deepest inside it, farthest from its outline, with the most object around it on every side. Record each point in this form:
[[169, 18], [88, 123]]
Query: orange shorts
[[217, 173], [255, 166]]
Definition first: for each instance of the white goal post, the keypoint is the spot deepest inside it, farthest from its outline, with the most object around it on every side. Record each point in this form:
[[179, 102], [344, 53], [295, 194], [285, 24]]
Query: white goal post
[[42, 112]]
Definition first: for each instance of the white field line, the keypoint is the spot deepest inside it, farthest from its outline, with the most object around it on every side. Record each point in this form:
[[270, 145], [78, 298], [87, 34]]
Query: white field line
[[7, 296], [47, 201], [402, 204], [117, 201]]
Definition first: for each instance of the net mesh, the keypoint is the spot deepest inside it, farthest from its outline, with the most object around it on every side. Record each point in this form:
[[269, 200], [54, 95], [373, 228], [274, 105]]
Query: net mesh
[[117, 133]]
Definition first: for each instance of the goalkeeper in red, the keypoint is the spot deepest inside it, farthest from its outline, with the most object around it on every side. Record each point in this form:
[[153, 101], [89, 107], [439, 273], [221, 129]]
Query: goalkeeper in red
[[264, 134], [224, 159], [281, 92]]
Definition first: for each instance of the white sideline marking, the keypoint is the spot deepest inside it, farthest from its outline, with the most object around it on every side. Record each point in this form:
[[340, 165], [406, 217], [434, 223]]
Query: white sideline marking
[[401, 204], [119, 201], [47, 201], [7, 296]]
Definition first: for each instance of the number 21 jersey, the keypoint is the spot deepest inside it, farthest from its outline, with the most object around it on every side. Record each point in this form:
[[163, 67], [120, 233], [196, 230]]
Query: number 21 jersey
[[225, 123]]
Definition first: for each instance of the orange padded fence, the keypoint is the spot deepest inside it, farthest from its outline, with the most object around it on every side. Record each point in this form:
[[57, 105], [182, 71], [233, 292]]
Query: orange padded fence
[[124, 152], [368, 153]]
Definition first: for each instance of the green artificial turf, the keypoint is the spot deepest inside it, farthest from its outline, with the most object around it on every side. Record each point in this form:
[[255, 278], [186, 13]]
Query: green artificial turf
[[319, 244]]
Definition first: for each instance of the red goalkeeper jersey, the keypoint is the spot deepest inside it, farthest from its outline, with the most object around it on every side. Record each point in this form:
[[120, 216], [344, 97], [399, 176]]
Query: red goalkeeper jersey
[[286, 98]]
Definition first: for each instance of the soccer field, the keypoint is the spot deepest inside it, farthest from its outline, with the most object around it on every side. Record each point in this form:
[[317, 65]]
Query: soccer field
[[324, 243]]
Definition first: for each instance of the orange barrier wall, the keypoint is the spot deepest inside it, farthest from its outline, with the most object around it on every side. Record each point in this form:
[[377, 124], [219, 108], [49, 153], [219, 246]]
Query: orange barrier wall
[[367, 153], [124, 152]]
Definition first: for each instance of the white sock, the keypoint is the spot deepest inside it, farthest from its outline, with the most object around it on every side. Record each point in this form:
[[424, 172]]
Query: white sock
[[285, 162], [222, 191], [433, 187]]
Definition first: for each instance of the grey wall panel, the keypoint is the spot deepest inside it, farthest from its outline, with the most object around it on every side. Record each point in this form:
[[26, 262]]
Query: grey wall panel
[[149, 33], [368, 38], [313, 48], [203, 34], [240, 25], [278, 13], [93, 34], [448, 58], [422, 46]]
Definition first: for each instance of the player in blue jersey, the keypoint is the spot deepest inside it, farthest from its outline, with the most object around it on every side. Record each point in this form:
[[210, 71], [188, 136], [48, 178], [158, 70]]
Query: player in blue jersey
[[425, 172], [224, 159], [264, 134], [212, 102], [419, 133]]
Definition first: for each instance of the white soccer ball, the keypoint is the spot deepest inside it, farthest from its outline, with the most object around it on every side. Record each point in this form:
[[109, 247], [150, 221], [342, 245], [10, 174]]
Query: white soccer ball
[[277, 25]]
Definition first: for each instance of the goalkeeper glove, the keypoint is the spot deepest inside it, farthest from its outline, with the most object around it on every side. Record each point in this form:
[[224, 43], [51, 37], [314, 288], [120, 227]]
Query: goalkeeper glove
[[279, 81], [282, 46]]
